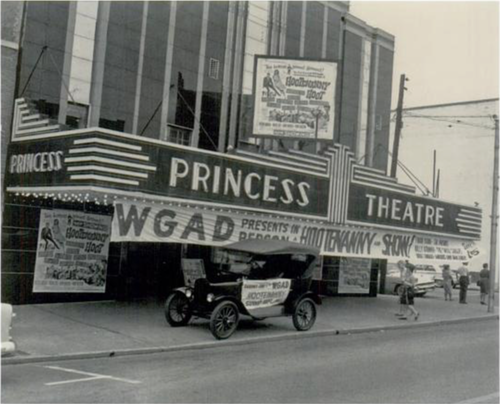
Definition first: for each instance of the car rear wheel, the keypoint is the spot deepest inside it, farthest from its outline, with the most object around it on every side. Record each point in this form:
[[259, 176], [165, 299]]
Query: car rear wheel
[[177, 311], [224, 320], [304, 315]]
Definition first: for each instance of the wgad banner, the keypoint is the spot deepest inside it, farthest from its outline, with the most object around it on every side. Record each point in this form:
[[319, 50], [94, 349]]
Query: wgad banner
[[294, 98], [138, 222], [261, 294], [72, 252]]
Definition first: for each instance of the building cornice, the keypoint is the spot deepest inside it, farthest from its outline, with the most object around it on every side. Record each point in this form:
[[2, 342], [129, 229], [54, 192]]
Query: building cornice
[[357, 26], [340, 6], [384, 39]]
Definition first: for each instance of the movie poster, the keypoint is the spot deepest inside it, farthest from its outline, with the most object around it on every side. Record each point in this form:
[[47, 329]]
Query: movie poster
[[294, 98], [354, 275], [72, 252]]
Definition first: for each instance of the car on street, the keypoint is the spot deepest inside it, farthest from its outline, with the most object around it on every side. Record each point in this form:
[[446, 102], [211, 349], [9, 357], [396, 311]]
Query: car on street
[[8, 345], [269, 278], [425, 275]]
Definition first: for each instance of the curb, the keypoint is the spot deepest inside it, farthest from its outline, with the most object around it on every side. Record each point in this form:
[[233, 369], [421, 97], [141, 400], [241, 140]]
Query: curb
[[234, 342]]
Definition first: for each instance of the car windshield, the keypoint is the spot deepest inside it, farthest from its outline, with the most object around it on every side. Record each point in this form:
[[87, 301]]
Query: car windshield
[[263, 266]]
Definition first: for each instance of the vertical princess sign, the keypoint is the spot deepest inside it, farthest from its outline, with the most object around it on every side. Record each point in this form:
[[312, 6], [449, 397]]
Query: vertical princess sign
[[72, 252], [294, 98]]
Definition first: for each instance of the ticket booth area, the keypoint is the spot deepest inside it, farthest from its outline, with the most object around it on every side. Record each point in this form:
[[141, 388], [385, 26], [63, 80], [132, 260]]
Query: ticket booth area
[[350, 276]]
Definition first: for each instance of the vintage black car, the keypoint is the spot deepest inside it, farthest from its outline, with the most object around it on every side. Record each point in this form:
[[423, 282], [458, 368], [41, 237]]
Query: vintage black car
[[257, 278]]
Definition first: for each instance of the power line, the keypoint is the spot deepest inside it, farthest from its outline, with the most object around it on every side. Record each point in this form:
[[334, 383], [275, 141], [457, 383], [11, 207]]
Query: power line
[[456, 122], [409, 173]]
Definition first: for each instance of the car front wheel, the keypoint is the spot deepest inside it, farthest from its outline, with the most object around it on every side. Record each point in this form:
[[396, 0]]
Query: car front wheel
[[224, 320], [304, 315], [177, 311]]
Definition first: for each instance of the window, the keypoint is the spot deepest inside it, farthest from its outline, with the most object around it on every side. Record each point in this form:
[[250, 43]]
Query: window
[[117, 125], [179, 135], [213, 71]]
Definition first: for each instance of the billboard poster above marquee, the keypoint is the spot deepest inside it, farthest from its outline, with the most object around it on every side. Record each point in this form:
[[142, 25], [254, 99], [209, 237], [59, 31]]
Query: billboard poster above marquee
[[72, 252], [294, 98], [142, 222]]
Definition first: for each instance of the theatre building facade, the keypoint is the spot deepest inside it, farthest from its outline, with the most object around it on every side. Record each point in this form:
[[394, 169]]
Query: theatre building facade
[[145, 134], [101, 214]]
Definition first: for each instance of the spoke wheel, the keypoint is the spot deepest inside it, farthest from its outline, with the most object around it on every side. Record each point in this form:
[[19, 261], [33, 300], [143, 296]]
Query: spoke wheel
[[177, 311], [224, 320], [304, 315]]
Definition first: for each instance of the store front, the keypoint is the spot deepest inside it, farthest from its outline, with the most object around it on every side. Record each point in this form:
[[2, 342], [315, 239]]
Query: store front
[[97, 214]]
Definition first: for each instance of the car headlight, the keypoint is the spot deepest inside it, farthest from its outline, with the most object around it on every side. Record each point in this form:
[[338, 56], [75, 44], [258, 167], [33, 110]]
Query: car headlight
[[210, 297], [189, 293]]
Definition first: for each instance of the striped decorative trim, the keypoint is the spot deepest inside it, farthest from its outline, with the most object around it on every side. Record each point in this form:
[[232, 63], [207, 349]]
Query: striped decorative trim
[[309, 161], [108, 161], [28, 121], [117, 167], [470, 213], [108, 151], [97, 140], [103, 178], [371, 177], [282, 163], [107, 170], [342, 161]]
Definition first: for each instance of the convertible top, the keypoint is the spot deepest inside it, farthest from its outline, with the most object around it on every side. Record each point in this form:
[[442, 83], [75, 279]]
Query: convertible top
[[272, 247]]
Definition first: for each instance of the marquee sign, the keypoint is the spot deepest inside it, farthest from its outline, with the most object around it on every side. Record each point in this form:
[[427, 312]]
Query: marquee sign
[[331, 188], [378, 206], [164, 169]]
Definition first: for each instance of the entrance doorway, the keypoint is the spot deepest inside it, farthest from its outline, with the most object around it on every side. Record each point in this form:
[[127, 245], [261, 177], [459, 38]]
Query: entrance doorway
[[150, 270]]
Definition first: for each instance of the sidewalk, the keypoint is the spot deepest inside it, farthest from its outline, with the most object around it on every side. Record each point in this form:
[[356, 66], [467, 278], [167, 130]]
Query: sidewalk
[[78, 330]]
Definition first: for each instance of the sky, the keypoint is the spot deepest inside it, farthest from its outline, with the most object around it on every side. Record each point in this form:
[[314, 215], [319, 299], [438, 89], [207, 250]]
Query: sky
[[448, 49], [450, 52]]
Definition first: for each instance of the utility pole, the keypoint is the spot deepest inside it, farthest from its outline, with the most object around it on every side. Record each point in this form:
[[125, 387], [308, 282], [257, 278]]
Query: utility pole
[[399, 125], [434, 176], [494, 224]]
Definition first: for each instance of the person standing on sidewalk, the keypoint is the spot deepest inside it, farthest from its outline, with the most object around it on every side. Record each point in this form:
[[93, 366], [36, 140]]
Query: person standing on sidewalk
[[447, 282], [463, 280], [484, 283], [402, 298], [408, 296]]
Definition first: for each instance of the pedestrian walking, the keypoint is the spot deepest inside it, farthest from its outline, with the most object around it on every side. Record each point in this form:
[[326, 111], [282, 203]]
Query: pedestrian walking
[[402, 300], [409, 284], [447, 282], [463, 281], [484, 283]]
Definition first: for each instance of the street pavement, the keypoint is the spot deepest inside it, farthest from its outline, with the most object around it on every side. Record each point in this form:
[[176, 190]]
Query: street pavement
[[72, 330], [456, 363]]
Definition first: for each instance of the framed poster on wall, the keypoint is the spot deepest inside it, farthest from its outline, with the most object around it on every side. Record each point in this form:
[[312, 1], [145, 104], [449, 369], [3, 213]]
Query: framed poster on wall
[[72, 252]]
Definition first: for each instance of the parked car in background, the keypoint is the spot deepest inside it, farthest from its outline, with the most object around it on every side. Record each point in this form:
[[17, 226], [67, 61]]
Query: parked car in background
[[425, 274], [8, 346], [439, 278]]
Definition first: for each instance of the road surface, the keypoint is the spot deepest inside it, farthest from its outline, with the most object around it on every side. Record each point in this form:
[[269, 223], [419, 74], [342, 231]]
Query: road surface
[[437, 364]]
